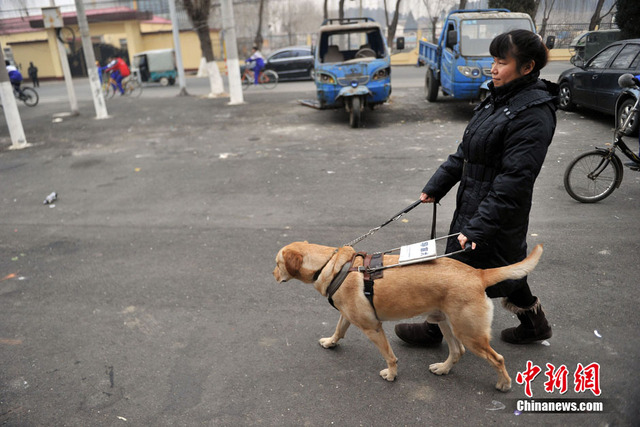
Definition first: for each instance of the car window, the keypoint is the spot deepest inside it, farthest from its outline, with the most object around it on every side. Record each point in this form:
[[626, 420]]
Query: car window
[[283, 55], [302, 52], [626, 56], [601, 59]]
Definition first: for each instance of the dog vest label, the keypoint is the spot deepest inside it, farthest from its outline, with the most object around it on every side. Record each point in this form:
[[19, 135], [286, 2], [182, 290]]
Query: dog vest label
[[418, 252]]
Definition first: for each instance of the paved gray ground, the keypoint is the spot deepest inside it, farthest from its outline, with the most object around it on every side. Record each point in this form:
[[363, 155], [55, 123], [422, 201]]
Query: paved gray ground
[[145, 296]]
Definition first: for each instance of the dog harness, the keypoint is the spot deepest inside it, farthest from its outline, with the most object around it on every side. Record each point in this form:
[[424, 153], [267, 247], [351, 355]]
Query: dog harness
[[368, 268]]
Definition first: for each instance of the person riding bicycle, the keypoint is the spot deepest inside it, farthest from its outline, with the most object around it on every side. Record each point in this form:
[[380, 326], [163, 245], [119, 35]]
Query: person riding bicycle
[[255, 62], [14, 76], [119, 70]]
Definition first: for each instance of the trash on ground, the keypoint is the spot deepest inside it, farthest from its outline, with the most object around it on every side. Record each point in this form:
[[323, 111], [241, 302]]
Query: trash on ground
[[596, 333], [497, 406], [50, 198]]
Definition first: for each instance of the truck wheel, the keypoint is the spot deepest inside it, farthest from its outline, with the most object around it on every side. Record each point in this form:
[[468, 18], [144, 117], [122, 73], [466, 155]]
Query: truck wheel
[[356, 112], [164, 81], [431, 86]]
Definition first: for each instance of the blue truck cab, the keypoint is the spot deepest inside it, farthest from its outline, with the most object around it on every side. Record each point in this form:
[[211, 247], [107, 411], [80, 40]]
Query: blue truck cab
[[460, 63], [352, 66]]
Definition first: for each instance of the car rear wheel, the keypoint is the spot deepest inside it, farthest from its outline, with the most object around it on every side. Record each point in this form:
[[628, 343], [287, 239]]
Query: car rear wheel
[[566, 98], [623, 112]]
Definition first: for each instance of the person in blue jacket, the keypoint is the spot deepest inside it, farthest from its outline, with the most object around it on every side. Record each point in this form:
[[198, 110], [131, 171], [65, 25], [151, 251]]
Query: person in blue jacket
[[14, 76], [257, 60]]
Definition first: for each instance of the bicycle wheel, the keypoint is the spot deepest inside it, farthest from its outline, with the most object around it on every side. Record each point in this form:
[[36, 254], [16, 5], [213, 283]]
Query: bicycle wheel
[[108, 91], [133, 88], [29, 97], [269, 79], [591, 177], [246, 81]]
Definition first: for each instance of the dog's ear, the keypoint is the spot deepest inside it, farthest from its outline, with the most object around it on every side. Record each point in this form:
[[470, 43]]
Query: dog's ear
[[292, 261], [345, 254]]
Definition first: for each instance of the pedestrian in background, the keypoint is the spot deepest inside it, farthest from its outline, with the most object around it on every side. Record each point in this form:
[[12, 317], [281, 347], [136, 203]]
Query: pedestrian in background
[[496, 164], [33, 74]]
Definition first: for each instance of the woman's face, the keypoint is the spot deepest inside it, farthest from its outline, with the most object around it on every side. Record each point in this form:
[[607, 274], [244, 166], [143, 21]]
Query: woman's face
[[505, 70]]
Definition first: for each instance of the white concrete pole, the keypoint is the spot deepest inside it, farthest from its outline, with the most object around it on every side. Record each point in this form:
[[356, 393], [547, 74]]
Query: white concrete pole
[[233, 66], [10, 107], [66, 70], [90, 59], [176, 45]]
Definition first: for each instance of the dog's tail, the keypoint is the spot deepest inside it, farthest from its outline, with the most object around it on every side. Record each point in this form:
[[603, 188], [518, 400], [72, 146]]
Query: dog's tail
[[492, 276]]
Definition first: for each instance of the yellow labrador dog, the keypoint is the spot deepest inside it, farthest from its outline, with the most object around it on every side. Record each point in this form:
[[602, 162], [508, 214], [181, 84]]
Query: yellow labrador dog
[[444, 290]]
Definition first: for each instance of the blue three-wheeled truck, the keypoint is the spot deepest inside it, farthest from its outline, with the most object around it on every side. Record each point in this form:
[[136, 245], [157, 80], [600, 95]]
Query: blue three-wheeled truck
[[352, 66]]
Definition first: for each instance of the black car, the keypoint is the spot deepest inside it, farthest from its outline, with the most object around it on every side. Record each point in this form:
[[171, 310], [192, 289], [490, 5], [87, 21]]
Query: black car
[[291, 63], [594, 84]]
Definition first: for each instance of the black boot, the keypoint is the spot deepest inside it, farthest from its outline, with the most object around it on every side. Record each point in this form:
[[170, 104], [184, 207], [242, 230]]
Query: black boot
[[533, 324], [420, 334]]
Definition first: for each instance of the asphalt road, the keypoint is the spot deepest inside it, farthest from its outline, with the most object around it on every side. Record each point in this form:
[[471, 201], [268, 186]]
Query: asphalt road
[[144, 296]]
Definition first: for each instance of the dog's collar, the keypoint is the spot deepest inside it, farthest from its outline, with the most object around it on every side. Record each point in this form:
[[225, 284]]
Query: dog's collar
[[316, 275]]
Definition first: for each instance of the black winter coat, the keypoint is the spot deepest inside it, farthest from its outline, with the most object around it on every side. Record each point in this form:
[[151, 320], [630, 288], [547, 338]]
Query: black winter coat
[[497, 163]]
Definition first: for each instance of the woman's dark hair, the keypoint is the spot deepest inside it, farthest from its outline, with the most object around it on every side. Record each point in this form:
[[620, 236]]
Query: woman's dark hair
[[522, 45]]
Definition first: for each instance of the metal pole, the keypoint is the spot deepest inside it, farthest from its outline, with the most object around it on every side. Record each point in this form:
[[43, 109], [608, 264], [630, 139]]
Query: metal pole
[[176, 43], [90, 59], [11, 113], [233, 66]]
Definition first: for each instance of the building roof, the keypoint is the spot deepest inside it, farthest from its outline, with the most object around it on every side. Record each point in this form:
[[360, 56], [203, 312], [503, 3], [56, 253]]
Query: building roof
[[120, 13]]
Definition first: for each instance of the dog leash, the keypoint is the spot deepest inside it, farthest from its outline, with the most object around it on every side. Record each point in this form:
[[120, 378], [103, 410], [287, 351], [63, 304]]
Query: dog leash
[[395, 218]]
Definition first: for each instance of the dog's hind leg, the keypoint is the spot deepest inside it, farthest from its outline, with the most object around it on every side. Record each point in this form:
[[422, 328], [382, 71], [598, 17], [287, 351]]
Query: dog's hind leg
[[341, 330], [480, 346], [378, 337], [456, 350]]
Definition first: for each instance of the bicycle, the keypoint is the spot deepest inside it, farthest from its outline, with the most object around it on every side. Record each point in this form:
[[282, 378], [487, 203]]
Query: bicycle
[[28, 95], [132, 87], [594, 175], [268, 79]]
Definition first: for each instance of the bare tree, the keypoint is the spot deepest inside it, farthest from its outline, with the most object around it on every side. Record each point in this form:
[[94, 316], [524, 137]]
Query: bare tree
[[198, 12], [596, 18], [391, 27], [257, 41], [534, 12], [341, 10], [434, 8], [546, 13], [463, 4], [326, 10]]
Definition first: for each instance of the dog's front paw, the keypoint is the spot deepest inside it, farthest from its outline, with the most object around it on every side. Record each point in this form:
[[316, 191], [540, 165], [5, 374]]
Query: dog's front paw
[[328, 342], [387, 375], [439, 368], [504, 385]]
